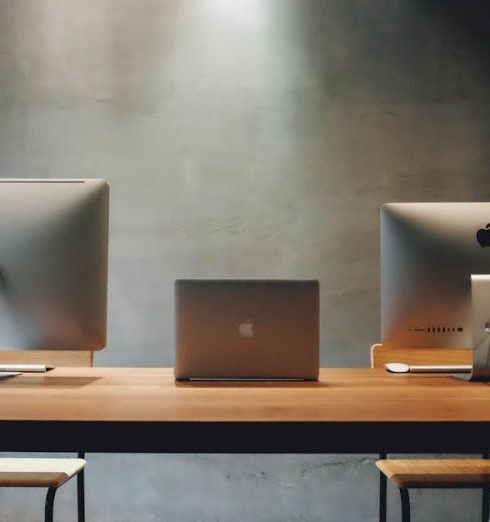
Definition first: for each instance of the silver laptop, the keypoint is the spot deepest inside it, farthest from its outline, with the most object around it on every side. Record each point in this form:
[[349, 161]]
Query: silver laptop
[[247, 329]]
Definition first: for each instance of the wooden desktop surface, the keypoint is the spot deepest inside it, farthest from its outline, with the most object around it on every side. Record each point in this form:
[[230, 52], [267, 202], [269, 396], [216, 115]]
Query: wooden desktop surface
[[143, 409], [145, 394]]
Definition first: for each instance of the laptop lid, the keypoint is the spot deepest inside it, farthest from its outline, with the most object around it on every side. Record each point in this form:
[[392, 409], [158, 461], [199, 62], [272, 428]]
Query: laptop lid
[[247, 329]]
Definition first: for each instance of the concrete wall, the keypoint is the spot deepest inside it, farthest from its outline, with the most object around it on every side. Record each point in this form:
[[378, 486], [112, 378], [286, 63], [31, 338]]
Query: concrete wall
[[245, 139]]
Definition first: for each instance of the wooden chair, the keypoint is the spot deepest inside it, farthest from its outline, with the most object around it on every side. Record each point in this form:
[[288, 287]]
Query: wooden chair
[[53, 472], [428, 473]]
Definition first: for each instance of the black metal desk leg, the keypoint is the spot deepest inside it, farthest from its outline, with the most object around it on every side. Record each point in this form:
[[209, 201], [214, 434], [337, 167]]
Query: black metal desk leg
[[382, 493], [485, 499], [405, 498], [81, 492], [49, 504]]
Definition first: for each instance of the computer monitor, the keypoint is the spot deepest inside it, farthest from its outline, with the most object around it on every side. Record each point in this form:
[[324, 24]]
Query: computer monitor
[[53, 263], [428, 253]]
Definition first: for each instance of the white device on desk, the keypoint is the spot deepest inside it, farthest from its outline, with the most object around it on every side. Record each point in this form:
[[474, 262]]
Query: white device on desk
[[53, 266], [246, 330], [395, 367], [26, 368]]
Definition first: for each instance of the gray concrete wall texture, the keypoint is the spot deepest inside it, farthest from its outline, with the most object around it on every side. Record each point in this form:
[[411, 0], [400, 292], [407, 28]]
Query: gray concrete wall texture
[[251, 138]]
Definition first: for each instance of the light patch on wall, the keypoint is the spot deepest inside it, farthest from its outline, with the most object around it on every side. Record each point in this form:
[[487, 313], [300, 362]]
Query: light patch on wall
[[250, 13]]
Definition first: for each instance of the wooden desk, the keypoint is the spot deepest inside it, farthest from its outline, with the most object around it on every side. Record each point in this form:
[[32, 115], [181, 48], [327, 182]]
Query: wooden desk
[[144, 411]]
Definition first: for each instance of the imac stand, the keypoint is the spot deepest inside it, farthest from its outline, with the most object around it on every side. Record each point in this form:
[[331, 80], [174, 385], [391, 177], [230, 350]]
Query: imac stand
[[480, 329]]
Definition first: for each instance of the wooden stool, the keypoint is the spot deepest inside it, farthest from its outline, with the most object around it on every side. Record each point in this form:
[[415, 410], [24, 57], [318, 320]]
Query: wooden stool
[[39, 473], [429, 473]]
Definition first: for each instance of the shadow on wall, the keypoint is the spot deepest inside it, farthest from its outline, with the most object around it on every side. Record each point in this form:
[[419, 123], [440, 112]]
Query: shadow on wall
[[443, 45], [471, 17]]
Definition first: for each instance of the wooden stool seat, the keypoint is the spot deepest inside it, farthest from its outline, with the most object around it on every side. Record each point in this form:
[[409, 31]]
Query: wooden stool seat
[[27, 472], [440, 473]]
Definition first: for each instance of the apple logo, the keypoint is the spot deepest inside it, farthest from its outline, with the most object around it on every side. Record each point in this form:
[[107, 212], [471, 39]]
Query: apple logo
[[246, 329], [483, 236]]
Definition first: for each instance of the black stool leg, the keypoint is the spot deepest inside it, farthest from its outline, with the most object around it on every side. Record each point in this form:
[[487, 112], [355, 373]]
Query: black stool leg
[[485, 511], [382, 492], [405, 504], [48, 506], [485, 500], [81, 492]]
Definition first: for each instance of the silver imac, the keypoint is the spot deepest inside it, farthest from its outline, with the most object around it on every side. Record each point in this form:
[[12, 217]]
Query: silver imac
[[429, 251], [53, 264]]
